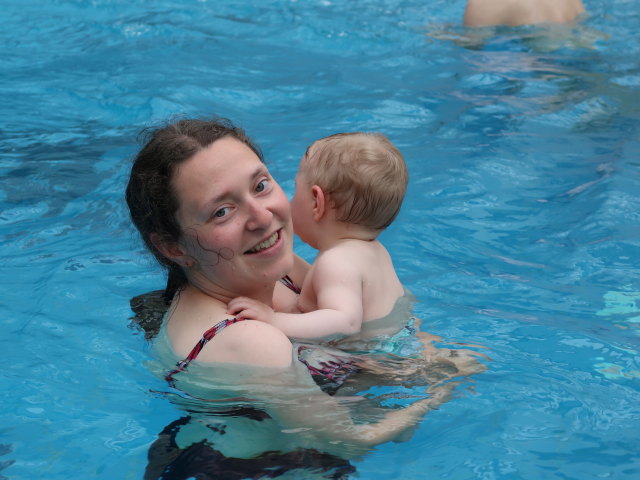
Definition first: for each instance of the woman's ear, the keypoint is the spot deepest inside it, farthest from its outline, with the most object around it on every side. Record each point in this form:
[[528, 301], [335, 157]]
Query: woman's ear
[[170, 250], [319, 202]]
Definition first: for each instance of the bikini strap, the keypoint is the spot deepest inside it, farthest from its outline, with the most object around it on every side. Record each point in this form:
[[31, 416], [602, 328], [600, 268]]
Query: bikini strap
[[206, 336], [213, 331], [287, 282]]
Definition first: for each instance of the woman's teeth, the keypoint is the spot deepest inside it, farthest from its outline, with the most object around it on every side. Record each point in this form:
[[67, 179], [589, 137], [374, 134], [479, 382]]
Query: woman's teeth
[[266, 244]]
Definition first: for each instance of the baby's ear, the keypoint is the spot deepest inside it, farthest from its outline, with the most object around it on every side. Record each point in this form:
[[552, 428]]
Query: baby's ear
[[319, 202], [170, 250]]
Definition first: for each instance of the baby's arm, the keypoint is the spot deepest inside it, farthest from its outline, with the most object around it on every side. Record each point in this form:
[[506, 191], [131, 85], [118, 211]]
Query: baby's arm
[[338, 290]]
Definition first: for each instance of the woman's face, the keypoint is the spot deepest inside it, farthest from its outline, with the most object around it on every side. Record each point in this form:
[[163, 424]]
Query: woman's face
[[235, 220]]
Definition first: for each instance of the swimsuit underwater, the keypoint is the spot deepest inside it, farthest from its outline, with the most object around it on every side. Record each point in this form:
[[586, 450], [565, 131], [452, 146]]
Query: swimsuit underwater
[[328, 367], [329, 370]]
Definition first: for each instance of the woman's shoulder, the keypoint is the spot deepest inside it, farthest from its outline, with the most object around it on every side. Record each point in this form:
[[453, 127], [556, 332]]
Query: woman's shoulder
[[250, 342], [247, 342]]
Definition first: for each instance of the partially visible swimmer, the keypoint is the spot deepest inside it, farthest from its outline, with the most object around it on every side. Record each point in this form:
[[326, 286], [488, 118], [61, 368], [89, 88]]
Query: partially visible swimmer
[[513, 13], [539, 25]]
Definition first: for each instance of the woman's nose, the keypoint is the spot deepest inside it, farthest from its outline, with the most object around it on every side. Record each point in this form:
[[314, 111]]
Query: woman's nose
[[259, 215]]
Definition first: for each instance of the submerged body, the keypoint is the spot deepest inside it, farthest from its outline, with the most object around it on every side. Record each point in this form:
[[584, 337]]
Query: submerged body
[[288, 397]]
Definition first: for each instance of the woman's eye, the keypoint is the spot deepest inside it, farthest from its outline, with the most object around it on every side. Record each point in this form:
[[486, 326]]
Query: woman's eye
[[262, 186], [220, 212]]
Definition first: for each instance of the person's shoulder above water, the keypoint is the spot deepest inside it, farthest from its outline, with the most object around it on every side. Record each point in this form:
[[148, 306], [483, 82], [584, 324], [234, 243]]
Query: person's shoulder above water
[[251, 343], [483, 13], [247, 342], [194, 315]]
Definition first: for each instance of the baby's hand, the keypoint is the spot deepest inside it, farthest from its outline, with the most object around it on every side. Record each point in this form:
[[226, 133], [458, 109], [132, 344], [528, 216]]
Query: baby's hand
[[244, 308]]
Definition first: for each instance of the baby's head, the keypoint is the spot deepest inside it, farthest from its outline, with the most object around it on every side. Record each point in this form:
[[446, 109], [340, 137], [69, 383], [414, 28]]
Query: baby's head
[[363, 175]]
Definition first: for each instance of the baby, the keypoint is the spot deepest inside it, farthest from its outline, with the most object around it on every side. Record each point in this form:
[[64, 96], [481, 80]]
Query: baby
[[349, 188]]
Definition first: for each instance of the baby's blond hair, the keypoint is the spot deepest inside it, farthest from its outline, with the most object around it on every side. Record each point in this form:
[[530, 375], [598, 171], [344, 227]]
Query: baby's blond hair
[[363, 175]]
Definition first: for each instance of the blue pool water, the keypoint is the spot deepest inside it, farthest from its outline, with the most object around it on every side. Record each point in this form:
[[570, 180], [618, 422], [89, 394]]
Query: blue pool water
[[520, 231]]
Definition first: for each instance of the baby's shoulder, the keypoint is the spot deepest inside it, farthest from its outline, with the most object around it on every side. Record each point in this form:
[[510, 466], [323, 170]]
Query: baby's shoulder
[[343, 261], [341, 255], [353, 249]]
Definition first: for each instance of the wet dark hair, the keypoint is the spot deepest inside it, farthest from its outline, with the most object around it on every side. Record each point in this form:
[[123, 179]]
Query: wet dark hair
[[150, 194]]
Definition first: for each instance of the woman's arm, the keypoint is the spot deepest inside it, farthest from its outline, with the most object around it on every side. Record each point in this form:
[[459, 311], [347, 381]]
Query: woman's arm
[[328, 420], [295, 401]]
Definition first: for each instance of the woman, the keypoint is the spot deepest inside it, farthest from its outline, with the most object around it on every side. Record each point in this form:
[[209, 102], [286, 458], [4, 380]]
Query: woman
[[208, 209]]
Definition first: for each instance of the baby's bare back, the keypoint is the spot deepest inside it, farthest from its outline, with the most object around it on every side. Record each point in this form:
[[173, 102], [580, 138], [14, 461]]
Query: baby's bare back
[[369, 263]]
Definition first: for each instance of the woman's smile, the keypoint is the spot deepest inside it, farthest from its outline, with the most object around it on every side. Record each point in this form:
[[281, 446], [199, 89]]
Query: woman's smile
[[265, 244]]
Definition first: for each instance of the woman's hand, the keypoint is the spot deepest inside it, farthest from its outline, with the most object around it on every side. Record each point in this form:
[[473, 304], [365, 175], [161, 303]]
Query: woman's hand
[[245, 308]]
